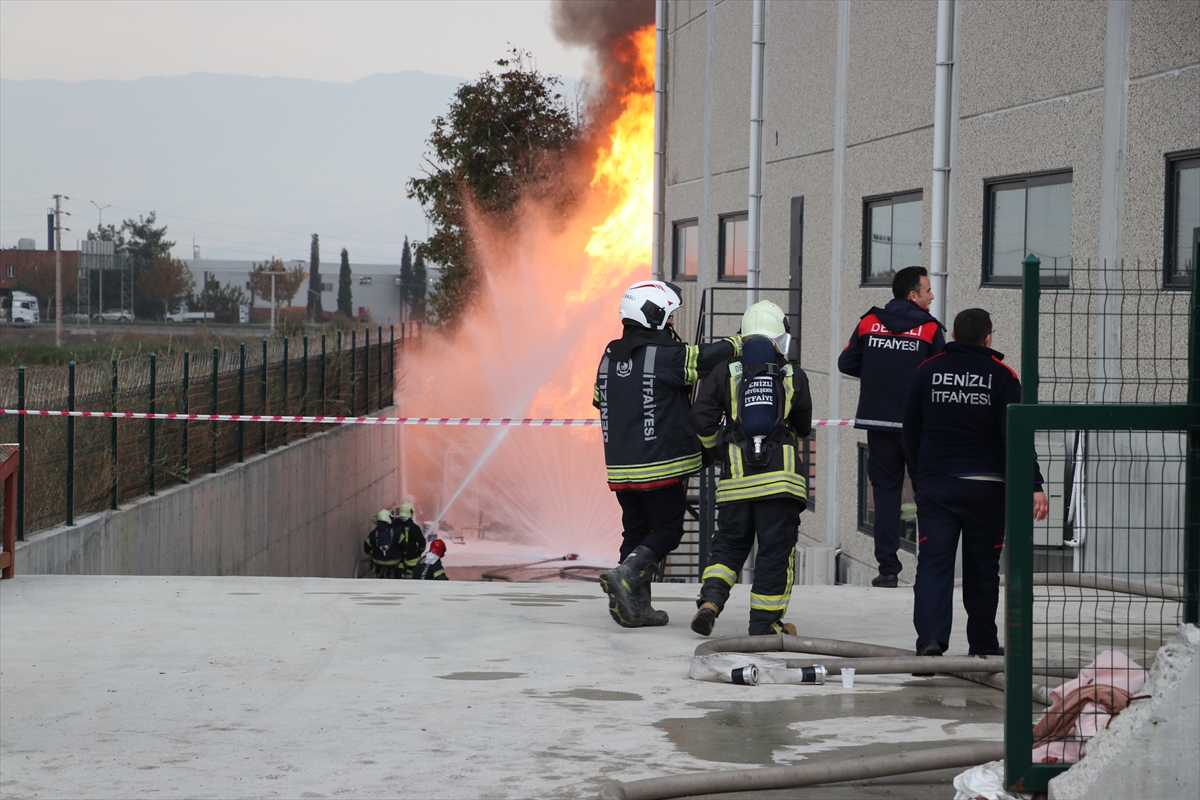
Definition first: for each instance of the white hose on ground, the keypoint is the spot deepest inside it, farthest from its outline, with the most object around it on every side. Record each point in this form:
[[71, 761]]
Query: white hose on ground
[[764, 778]]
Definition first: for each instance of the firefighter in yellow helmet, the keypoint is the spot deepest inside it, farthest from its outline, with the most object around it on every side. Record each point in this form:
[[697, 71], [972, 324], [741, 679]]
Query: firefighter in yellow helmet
[[754, 409], [410, 535], [384, 548]]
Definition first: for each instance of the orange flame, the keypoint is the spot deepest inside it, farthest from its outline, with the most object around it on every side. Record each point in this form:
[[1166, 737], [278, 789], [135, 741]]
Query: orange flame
[[530, 348]]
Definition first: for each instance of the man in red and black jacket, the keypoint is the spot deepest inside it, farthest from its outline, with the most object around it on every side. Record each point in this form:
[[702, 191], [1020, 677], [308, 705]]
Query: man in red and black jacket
[[956, 439], [883, 353]]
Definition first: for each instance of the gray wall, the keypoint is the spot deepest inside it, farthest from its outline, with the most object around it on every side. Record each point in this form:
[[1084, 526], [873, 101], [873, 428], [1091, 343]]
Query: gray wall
[[849, 114], [299, 511]]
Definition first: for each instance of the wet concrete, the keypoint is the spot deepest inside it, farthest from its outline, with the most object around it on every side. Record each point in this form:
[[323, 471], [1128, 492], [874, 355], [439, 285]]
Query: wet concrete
[[255, 687]]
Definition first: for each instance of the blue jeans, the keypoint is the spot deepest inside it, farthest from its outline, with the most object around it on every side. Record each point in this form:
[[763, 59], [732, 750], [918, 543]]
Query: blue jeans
[[947, 507]]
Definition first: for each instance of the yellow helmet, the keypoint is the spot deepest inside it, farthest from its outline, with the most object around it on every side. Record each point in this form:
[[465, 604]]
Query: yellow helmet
[[764, 318], [383, 516], [404, 511]]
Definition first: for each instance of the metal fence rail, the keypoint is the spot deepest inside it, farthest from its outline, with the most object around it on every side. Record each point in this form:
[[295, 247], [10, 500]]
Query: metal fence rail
[[75, 466], [1118, 567]]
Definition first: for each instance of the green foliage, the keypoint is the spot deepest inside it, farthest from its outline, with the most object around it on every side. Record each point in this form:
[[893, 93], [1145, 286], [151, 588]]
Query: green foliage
[[501, 134], [417, 297], [225, 303], [145, 244], [345, 305], [165, 281], [315, 312], [406, 279], [290, 326]]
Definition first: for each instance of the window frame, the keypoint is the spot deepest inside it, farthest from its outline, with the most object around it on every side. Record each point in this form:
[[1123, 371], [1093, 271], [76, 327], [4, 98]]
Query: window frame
[[692, 222], [1027, 181], [1172, 278], [721, 220], [871, 201]]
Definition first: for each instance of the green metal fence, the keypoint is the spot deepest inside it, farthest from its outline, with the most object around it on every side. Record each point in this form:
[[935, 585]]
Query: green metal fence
[[1118, 568], [75, 466]]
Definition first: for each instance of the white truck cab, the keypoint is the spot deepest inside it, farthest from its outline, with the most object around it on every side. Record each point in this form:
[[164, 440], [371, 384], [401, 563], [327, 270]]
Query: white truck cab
[[21, 309], [181, 314]]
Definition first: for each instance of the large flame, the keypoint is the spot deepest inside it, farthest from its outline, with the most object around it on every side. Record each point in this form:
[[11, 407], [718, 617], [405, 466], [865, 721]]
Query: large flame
[[531, 349]]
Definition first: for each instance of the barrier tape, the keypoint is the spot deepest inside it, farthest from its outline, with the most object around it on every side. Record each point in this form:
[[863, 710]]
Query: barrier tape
[[489, 422]]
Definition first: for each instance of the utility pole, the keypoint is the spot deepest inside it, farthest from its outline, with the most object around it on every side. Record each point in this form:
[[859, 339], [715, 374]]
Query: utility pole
[[58, 198], [99, 233]]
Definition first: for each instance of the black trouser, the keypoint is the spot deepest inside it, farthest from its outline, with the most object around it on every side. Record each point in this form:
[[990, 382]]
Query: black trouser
[[776, 521], [652, 517], [946, 507], [885, 469], [392, 571]]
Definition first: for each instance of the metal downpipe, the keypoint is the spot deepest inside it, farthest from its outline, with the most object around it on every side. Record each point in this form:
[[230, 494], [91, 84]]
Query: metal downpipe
[[660, 65], [754, 217], [941, 158]]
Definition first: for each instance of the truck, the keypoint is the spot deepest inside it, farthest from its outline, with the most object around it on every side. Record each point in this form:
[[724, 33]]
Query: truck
[[181, 314], [20, 309]]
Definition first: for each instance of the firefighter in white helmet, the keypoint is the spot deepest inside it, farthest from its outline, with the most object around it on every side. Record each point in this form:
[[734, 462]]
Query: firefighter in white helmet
[[754, 410], [643, 388]]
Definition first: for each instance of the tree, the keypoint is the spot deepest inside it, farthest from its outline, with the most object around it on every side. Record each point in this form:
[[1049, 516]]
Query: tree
[[315, 312], [37, 278], [406, 279], [167, 280], [417, 297], [225, 304], [287, 281], [344, 304], [501, 134]]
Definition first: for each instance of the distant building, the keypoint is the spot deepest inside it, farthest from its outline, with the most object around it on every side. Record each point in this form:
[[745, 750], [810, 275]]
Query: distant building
[[16, 261]]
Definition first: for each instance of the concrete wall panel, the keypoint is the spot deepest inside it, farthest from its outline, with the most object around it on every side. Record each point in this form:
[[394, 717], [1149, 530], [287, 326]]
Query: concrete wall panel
[[1020, 51], [800, 74], [686, 48], [732, 20], [1162, 35], [247, 519]]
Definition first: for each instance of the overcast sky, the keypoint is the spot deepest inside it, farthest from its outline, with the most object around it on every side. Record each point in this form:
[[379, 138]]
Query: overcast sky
[[328, 41]]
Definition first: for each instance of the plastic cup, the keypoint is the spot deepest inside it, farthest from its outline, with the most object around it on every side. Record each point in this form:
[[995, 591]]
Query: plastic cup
[[847, 677]]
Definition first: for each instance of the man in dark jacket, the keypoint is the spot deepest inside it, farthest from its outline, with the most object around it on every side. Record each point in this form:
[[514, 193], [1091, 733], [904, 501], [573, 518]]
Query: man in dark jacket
[[410, 535], [642, 391], [955, 438], [884, 352], [755, 410], [385, 548]]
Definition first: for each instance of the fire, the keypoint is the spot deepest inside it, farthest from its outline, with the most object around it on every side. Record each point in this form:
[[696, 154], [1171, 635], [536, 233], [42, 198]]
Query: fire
[[531, 347]]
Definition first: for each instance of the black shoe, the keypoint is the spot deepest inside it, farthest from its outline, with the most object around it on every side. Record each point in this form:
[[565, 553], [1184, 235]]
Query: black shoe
[[705, 619], [621, 584], [996, 651], [885, 581], [933, 648], [651, 618]]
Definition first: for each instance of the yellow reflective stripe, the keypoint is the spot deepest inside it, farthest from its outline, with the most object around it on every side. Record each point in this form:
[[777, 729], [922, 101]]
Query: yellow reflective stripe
[[439, 574], [660, 469], [691, 364], [789, 458], [769, 602], [596, 393], [710, 442], [720, 571], [764, 485], [736, 340], [789, 389], [736, 468]]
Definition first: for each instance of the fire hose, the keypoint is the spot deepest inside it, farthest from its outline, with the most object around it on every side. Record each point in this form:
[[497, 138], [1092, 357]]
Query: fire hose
[[867, 659]]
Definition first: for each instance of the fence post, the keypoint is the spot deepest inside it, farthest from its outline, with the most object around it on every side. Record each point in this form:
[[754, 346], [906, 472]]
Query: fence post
[[115, 473], [1191, 518], [353, 367], [379, 367], [21, 448], [187, 427], [286, 427], [213, 425], [392, 366], [264, 394], [241, 401], [367, 369], [71, 444], [304, 388], [322, 374], [153, 378], [1032, 278]]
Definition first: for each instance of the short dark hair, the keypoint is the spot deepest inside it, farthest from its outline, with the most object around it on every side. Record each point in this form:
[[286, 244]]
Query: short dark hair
[[972, 326], [907, 280]]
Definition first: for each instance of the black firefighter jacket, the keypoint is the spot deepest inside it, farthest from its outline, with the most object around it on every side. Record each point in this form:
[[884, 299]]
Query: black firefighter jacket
[[781, 476], [642, 391]]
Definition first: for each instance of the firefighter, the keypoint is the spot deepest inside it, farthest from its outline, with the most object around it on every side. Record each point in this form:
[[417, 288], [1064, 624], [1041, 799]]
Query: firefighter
[[410, 535], [429, 566], [956, 437], [764, 401], [643, 394], [384, 548], [883, 353]]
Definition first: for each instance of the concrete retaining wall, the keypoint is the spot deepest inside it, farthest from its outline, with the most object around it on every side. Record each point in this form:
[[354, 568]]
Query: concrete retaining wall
[[301, 510], [1152, 749]]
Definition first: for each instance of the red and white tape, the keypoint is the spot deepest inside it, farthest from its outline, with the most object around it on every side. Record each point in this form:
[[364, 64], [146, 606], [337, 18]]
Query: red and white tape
[[488, 422]]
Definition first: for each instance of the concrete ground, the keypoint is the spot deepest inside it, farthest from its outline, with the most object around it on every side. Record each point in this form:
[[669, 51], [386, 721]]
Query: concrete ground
[[117, 687]]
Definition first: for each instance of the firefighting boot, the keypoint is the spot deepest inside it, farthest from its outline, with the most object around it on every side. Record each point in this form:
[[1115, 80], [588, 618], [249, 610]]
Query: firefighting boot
[[778, 626], [651, 618], [622, 582], [705, 619]]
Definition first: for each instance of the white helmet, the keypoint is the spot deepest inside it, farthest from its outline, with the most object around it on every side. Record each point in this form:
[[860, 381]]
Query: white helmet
[[650, 304], [764, 318]]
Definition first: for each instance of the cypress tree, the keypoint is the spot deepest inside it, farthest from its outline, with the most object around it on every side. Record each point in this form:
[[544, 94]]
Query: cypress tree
[[406, 280], [315, 313], [417, 296], [344, 304]]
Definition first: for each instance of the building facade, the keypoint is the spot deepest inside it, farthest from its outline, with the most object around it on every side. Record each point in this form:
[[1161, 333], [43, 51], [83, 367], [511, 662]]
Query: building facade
[[1073, 132]]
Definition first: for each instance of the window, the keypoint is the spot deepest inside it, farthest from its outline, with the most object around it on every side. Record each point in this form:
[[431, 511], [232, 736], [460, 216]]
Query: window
[[1182, 219], [891, 236], [10, 271], [686, 258], [732, 255], [326, 287], [364, 280], [1023, 216], [866, 504]]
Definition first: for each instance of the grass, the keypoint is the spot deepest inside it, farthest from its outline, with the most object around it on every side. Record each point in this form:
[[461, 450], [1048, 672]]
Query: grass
[[35, 347]]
